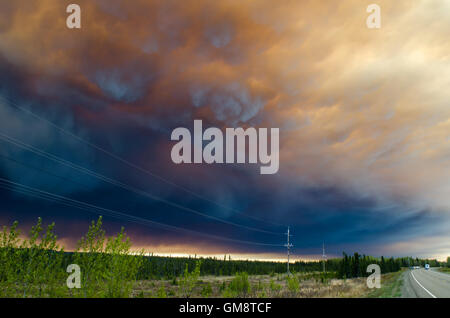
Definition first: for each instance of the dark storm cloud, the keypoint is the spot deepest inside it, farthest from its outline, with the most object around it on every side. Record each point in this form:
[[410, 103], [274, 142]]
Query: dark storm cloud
[[362, 160]]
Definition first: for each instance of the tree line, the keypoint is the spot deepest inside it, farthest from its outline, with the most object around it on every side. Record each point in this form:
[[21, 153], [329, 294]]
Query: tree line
[[36, 266]]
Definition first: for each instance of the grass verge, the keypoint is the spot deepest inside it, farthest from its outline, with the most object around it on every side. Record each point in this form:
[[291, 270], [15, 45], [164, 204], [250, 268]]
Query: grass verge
[[391, 286]]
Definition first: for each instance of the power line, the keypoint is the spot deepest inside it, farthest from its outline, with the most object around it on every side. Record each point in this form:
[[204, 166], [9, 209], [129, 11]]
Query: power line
[[49, 196], [120, 184], [132, 165]]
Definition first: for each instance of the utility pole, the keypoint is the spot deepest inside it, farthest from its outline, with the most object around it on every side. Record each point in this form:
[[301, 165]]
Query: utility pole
[[324, 257], [288, 246]]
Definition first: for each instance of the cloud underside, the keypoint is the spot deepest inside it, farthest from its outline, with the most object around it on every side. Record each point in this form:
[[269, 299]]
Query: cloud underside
[[364, 114]]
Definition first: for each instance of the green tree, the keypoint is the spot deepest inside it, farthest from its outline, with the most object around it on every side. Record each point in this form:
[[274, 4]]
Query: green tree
[[122, 267], [108, 267], [42, 268], [189, 280], [91, 259], [10, 261]]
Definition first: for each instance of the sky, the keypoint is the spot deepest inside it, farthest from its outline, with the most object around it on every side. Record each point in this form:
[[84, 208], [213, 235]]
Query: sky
[[363, 114]]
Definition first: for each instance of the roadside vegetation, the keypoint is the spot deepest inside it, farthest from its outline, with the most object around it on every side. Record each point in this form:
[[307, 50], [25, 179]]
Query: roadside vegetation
[[35, 265], [446, 266], [391, 286]]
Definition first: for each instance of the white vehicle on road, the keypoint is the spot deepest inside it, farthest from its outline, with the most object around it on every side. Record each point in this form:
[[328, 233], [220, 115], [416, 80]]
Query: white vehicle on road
[[427, 266]]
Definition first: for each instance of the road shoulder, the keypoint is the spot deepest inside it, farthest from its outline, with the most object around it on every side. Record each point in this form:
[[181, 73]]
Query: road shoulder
[[391, 286]]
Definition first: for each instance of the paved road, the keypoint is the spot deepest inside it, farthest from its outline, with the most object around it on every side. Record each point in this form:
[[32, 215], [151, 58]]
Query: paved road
[[421, 283]]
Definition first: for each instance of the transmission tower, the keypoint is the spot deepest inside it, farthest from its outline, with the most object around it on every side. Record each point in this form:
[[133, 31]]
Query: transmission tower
[[288, 246], [324, 257]]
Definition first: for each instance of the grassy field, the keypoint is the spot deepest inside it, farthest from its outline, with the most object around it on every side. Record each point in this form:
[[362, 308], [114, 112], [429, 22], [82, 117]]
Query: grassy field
[[296, 286], [301, 285], [445, 269]]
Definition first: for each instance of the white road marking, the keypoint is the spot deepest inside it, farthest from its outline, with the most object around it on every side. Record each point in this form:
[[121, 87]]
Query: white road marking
[[422, 286]]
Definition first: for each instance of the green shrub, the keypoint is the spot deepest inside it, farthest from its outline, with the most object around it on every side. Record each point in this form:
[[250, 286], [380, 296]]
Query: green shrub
[[189, 280], [228, 293], [9, 260], [91, 259], [107, 266], [161, 292], [274, 286], [222, 287], [292, 283], [41, 273], [206, 290], [240, 284], [122, 267]]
